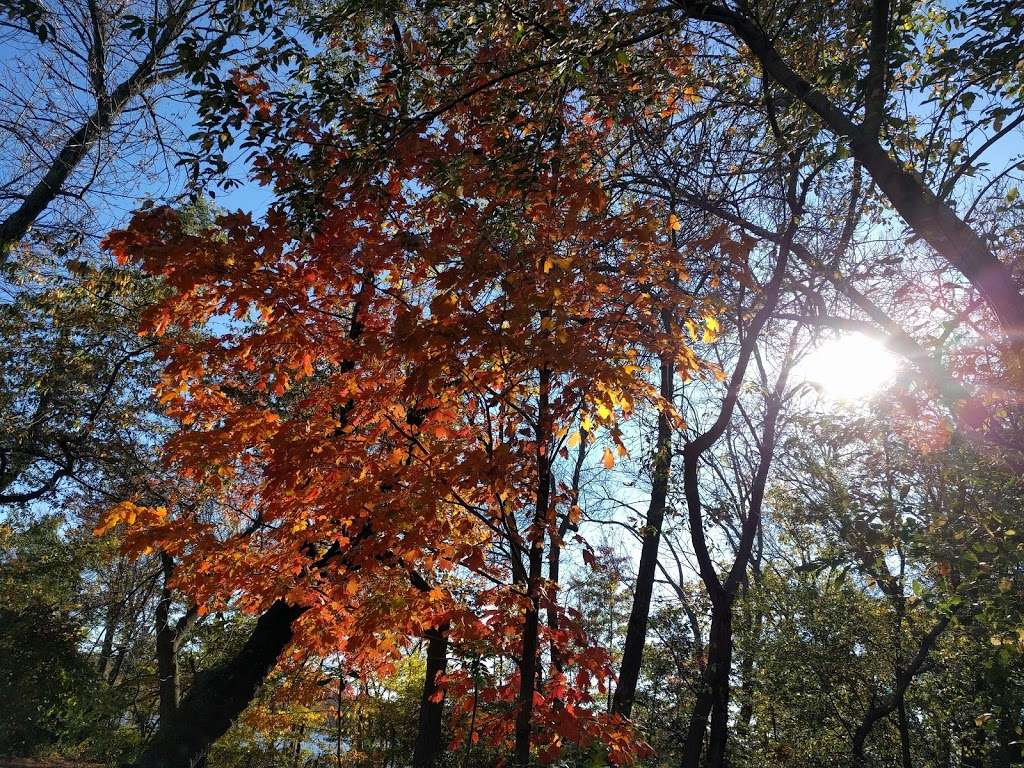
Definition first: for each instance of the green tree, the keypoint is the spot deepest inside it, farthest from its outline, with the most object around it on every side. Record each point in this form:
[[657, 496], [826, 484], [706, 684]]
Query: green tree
[[52, 695]]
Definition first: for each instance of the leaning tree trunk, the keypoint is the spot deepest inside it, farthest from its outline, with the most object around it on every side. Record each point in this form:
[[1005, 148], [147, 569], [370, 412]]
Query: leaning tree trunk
[[219, 695], [166, 653]]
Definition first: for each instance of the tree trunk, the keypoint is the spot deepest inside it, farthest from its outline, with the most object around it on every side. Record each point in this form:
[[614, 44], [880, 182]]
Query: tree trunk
[[166, 652], [555, 550], [710, 697], [428, 738], [554, 568], [297, 746], [904, 727], [747, 684], [860, 737], [720, 709], [1008, 752], [880, 710], [636, 629], [531, 621], [110, 622], [219, 695], [713, 699], [528, 663], [693, 746]]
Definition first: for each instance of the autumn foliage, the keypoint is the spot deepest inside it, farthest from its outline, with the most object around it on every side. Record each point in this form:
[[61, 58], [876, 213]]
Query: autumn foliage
[[374, 407], [591, 383]]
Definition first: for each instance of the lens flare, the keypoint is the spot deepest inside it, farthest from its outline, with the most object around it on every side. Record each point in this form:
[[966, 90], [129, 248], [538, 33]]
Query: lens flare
[[849, 368]]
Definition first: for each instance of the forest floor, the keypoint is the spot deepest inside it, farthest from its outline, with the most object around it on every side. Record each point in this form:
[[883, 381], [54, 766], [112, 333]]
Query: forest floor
[[44, 762]]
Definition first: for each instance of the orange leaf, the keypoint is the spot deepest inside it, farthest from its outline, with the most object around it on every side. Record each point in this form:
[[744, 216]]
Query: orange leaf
[[608, 459]]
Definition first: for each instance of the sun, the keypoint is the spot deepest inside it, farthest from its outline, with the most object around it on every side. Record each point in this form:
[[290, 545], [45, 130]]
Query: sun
[[849, 368]]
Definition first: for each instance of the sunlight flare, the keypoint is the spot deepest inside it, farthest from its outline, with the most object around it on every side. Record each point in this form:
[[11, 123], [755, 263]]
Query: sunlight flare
[[849, 368]]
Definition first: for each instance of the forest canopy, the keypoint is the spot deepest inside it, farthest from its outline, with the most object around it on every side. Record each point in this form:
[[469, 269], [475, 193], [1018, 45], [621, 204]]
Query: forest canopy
[[444, 384]]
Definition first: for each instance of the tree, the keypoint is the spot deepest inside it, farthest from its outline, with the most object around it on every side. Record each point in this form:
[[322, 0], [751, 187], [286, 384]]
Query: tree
[[878, 516], [931, 217], [448, 340], [50, 685], [533, 278], [75, 403], [90, 96]]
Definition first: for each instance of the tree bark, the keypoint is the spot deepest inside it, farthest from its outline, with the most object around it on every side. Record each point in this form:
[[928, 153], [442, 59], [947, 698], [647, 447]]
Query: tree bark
[[219, 695], [636, 629], [554, 569], [528, 663], [428, 737], [531, 621], [713, 679], [904, 728], [166, 651], [719, 734]]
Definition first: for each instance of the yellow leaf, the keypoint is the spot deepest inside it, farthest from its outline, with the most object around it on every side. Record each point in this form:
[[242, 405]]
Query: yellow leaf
[[574, 439], [128, 513], [711, 328], [673, 222]]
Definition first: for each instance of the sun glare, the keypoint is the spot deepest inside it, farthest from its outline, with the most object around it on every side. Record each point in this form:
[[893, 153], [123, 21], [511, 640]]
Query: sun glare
[[849, 368]]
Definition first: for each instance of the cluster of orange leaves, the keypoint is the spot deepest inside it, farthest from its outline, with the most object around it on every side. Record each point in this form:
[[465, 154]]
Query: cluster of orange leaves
[[357, 399]]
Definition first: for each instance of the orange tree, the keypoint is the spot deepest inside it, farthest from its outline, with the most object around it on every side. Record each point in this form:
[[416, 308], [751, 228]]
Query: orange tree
[[375, 382]]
